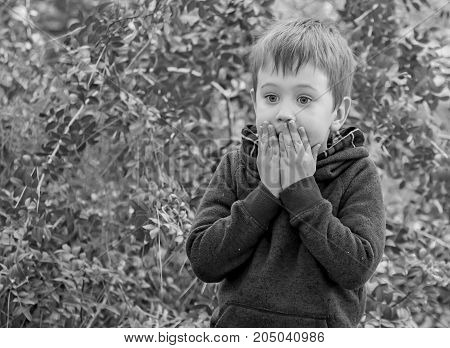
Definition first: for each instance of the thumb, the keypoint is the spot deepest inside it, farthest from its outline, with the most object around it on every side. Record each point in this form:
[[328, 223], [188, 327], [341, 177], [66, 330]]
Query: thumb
[[315, 151]]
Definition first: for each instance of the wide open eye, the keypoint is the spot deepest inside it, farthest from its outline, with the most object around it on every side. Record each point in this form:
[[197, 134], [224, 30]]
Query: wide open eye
[[271, 98], [304, 100]]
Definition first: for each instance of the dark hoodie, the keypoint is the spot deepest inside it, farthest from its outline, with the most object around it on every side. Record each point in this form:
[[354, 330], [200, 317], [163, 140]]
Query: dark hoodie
[[298, 261]]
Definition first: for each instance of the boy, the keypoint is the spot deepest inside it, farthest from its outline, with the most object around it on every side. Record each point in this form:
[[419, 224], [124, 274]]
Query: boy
[[291, 234]]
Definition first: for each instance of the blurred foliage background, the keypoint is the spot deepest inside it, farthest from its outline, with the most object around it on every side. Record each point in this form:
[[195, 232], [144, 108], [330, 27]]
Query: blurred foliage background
[[114, 115]]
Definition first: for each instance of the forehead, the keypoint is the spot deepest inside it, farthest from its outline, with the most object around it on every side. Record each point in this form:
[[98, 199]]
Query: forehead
[[308, 74]]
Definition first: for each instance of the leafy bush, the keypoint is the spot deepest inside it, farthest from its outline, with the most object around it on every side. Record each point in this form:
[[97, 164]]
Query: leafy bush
[[398, 84], [108, 139]]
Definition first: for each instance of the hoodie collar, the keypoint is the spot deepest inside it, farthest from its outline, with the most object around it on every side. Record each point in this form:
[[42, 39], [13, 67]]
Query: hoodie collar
[[349, 145]]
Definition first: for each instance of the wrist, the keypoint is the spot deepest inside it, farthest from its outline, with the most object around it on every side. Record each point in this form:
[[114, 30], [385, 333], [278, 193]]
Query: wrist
[[301, 196], [276, 194], [261, 205], [274, 191]]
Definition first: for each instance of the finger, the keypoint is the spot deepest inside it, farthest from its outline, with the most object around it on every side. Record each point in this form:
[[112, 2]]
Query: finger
[[287, 139], [281, 140], [261, 138], [272, 138], [315, 151], [296, 140], [274, 141], [260, 141], [265, 137], [305, 140]]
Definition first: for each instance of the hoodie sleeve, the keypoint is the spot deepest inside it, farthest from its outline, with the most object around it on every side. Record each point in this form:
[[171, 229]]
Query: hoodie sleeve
[[348, 246], [226, 230]]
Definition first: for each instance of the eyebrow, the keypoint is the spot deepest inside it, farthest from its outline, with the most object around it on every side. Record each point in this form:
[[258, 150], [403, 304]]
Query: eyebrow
[[299, 85]]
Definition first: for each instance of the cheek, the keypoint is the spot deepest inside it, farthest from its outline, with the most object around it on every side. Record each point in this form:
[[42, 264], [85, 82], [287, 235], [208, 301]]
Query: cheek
[[313, 136], [265, 113], [316, 133], [262, 108]]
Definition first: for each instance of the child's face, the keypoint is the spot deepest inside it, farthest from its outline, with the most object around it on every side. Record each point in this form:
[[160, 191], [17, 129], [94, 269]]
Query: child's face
[[303, 97]]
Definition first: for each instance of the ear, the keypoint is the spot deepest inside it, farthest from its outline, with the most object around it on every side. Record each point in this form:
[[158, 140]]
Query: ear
[[252, 92], [340, 114]]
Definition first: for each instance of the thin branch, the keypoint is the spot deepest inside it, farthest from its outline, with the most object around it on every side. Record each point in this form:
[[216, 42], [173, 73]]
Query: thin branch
[[138, 54], [70, 33], [7, 313], [55, 151], [96, 64], [436, 146], [436, 239], [227, 95], [111, 162], [20, 198], [99, 308], [194, 281], [98, 132], [159, 255], [366, 13], [403, 298]]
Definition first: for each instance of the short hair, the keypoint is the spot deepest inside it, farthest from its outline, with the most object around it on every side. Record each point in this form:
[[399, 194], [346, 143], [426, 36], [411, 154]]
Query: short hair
[[303, 41]]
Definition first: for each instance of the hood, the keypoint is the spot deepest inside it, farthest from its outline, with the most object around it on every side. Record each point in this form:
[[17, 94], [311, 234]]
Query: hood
[[339, 155]]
